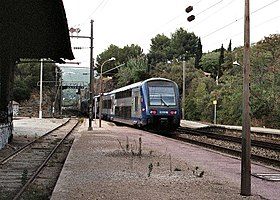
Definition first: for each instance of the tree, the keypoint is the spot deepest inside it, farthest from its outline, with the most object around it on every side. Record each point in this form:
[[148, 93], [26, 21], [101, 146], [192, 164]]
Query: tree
[[134, 71], [122, 55], [229, 46], [266, 79], [198, 54], [219, 72], [111, 51], [209, 63], [27, 76], [159, 50], [183, 44], [228, 59], [132, 51]]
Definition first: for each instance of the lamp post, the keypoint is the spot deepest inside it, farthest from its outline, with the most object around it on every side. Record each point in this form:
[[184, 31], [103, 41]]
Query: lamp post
[[91, 77], [100, 97], [184, 89], [41, 89]]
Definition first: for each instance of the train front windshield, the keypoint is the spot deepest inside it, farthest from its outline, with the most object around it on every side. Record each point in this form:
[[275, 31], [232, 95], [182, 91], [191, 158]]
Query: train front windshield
[[162, 96]]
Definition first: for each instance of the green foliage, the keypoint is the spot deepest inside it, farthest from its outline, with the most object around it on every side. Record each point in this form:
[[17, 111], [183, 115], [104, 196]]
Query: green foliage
[[160, 50], [201, 99], [170, 71], [182, 46], [122, 56], [134, 71], [27, 75], [198, 54], [219, 72], [165, 60], [21, 91], [183, 43], [24, 177], [229, 109], [210, 62]]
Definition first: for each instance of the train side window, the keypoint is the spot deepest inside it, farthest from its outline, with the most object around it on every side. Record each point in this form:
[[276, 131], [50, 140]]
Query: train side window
[[124, 94]]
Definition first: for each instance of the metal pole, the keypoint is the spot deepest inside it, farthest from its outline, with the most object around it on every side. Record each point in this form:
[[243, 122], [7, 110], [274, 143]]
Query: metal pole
[[91, 78], [95, 108], [100, 97], [61, 98], [101, 90], [246, 139], [41, 89], [215, 113], [184, 89]]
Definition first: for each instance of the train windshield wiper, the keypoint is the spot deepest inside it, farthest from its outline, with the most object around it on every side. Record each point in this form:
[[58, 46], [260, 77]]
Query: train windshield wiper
[[164, 102]]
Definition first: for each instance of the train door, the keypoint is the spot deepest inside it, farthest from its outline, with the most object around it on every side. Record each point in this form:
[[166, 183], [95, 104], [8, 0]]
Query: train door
[[113, 102], [136, 103]]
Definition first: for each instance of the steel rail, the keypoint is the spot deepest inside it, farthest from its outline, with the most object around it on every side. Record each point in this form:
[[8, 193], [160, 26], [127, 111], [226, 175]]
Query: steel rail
[[256, 143], [35, 174], [3, 161], [227, 150]]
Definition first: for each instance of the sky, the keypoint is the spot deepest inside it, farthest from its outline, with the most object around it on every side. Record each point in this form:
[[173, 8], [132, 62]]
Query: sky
[[126, 22]]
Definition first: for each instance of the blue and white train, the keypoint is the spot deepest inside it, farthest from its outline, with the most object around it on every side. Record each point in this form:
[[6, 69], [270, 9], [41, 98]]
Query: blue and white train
[[152, 104]]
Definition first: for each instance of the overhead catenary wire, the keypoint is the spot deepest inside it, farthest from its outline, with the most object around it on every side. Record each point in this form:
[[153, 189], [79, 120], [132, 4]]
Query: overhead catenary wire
[[252, 28], [236, 20], [215, 12], [226, 25], [180, 15], [204, 13], [103, 2]]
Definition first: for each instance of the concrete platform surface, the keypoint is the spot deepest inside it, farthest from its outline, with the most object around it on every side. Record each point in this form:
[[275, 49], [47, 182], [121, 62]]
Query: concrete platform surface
[[100, 167], [35, 126]]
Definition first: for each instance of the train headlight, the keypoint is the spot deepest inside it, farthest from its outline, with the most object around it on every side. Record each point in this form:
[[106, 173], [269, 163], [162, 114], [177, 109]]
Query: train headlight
[[173, 112], [153, 112]]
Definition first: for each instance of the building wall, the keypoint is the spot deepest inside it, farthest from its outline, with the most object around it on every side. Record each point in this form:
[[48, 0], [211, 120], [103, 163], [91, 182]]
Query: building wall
[[5, 134], [6, 128]]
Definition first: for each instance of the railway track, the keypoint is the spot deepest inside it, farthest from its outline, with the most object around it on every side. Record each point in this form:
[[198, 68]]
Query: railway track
[[263, 151], [20, 169]]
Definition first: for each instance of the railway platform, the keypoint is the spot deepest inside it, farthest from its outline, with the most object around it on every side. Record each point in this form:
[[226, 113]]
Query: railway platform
[[193, 124], [112, 162]]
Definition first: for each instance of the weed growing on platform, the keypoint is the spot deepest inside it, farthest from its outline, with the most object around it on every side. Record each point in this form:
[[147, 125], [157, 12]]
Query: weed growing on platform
[[130, 148], [198, 173], [81, 120], [150, 167], [24, 176]]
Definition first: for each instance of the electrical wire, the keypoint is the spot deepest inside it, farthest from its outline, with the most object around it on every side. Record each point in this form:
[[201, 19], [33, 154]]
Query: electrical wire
[[104, 2], [178, 16], [241, 32], [225, 26], [213, 14], [213, 5]]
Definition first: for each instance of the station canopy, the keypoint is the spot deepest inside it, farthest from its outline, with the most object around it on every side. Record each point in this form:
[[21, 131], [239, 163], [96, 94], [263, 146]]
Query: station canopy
[[34, 29]]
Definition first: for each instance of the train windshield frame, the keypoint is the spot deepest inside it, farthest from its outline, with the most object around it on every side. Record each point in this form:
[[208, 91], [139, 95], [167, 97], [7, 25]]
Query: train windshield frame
[[162, 95]]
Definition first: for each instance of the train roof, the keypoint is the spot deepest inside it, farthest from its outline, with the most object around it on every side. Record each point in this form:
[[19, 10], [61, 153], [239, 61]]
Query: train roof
[[137, 84]]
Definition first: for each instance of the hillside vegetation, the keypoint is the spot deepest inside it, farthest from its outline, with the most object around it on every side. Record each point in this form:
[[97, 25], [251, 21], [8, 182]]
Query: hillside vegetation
[[209, 76]]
